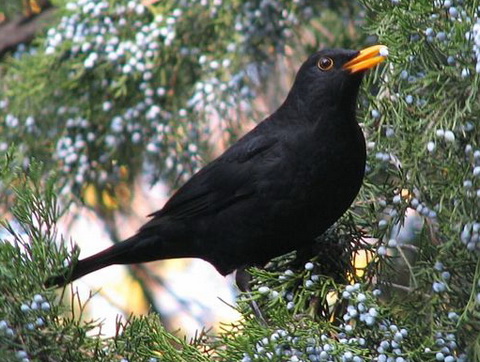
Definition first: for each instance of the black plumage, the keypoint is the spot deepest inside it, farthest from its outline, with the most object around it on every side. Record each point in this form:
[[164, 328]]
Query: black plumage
[[276, 189]]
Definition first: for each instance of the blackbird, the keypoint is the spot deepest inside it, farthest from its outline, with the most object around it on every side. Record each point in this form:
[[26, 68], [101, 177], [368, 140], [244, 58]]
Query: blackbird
[[281, 185]]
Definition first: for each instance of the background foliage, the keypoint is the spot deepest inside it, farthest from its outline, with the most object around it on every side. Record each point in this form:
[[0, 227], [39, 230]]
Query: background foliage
[[118, 90]]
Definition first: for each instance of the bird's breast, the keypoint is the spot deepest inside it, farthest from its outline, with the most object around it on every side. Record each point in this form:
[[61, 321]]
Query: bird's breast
[[329, 171]]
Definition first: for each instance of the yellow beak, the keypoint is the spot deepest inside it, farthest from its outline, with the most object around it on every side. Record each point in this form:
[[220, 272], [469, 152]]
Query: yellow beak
[[367, 58]]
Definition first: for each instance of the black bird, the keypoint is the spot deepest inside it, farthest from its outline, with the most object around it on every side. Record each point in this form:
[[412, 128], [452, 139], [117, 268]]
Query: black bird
[[281, 185]]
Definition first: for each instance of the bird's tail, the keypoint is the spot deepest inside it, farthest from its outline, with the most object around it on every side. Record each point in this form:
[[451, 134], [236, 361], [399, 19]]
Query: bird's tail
[[136, 249]]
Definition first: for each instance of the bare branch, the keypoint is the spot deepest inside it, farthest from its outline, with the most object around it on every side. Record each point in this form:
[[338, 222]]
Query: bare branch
[[23, 28]]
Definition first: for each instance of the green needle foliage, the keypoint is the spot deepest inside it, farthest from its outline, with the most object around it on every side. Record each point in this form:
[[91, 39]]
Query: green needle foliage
[[115, 90]]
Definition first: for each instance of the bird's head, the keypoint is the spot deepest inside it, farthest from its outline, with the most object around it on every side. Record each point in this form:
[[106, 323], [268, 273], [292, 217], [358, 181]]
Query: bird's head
[[332, 77]]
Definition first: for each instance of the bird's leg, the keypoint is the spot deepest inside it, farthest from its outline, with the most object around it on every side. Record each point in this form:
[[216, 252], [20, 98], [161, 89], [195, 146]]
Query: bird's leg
[[242, 279]]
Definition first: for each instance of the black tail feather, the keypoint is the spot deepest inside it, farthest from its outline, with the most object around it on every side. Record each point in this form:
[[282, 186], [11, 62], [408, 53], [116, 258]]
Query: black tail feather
[[130, 251]]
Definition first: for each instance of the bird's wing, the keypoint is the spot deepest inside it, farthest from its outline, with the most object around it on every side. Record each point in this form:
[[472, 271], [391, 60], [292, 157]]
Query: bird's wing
[[226, 180]]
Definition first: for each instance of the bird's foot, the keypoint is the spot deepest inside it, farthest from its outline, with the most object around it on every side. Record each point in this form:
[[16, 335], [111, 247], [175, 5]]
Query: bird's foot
[[242, 279]]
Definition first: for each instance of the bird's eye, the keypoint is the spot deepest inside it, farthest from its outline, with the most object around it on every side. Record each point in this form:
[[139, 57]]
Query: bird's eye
[[325, 63]]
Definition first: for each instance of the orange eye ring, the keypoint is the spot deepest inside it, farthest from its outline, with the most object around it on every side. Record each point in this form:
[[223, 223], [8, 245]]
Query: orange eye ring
[[325, 63]]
